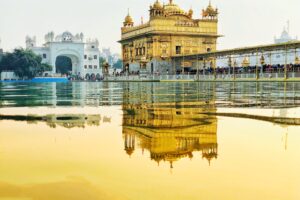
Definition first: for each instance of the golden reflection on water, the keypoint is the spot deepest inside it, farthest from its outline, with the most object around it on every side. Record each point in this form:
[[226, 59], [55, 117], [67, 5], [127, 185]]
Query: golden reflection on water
[[114, 155]]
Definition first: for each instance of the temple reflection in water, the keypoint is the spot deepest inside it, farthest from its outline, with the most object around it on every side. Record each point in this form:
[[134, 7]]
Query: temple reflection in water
[[169, 131]]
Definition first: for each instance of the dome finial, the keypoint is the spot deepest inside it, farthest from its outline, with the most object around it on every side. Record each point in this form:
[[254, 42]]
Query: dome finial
[[128, 20], [157, 5]]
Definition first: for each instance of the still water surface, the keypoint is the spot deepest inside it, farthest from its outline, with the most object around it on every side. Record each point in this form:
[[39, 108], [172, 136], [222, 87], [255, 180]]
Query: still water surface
[[150, 141]]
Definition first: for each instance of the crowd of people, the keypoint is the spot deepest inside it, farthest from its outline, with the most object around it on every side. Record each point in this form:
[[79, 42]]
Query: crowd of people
[[243, 70]]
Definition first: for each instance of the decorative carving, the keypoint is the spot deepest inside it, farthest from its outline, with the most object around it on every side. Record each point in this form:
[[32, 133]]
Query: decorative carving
[[210, 12]]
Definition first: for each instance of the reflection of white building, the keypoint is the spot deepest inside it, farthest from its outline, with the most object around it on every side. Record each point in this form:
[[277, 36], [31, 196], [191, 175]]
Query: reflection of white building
[[84, 55]]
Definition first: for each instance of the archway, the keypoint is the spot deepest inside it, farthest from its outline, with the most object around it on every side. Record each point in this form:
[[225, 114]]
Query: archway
[[93, 77], [98, 76], [63, 65], [68, 61]]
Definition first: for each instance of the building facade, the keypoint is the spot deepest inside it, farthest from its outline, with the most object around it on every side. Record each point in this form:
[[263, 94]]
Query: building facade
[[84, 55], [170, 31]]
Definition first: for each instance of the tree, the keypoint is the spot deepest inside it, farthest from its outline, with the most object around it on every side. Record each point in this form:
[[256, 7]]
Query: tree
[[102, 61], [24, 63], [118, 64]]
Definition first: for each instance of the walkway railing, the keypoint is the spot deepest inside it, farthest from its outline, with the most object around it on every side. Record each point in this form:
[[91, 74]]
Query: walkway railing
[[209, 77]]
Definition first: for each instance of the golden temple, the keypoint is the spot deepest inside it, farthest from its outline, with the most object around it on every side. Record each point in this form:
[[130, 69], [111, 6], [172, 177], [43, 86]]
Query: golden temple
[[170, 31]]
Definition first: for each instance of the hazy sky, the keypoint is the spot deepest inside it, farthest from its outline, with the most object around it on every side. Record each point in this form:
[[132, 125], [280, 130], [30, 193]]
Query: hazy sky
[[242, 22]]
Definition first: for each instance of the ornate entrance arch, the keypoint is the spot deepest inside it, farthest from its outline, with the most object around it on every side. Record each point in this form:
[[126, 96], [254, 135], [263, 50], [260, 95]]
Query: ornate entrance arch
[[63, 65], [83, 55], [74, 54]]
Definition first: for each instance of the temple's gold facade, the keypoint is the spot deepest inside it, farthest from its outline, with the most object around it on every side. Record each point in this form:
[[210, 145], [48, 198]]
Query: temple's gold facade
[[169, 32]]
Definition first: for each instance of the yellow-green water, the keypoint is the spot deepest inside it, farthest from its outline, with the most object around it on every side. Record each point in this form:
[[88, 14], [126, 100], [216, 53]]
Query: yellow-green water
[[149, 141]]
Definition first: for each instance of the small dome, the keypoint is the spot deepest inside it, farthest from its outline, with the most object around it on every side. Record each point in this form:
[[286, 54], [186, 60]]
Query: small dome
[[285, 35], [128, 19], [210, 11], [172, 8], [297, 60], [210, 8], [157, 5], [190, 13]]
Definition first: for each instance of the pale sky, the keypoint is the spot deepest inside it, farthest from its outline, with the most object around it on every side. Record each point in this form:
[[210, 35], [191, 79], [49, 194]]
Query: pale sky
[[242, 22]]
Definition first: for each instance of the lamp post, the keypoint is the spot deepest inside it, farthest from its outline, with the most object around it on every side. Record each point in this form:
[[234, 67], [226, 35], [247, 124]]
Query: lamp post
[[262, 62], [256, 66], [230, 65], [285, 65]]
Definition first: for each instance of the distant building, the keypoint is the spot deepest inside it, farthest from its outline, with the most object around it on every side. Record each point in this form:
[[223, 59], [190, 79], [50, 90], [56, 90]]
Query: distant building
[[284, 37], [84, 55], [107, 55]]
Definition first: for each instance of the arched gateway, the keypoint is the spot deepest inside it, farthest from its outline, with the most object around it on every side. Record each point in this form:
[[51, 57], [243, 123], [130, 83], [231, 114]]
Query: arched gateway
[[84, 56], [75, 55]]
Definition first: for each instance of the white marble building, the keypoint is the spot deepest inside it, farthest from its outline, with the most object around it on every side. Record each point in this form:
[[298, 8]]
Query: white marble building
[[84, 55]]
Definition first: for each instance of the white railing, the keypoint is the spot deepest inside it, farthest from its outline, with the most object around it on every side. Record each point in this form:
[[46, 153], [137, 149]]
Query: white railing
[[207, 77]]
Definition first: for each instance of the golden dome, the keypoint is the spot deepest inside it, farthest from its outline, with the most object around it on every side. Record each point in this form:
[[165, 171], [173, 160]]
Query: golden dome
[[128, 19], [210, 11], [210, 8], [157, 5], [190, 13], [246, 62], [172, 8], [297, 60]]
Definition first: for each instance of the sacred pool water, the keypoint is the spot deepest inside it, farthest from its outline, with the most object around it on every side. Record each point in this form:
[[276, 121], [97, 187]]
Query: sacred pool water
[[148, 141]]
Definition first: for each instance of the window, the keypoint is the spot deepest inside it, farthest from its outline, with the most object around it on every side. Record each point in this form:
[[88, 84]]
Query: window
[[95, 57], [85, 66], [95, 66], [136, 51], [44, 56], [144, 51], [178, 49], [85, 56], [91, 66]]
